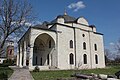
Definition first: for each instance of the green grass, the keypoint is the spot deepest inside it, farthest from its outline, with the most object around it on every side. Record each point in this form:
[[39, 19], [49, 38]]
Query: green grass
[[109, 71], [53, 75], [6, 70]]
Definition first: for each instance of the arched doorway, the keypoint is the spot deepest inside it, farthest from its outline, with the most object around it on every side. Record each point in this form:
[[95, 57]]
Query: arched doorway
[[43, 46]]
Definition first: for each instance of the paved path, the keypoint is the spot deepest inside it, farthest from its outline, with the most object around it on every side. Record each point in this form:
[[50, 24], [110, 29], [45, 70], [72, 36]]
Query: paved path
[[20, 74]]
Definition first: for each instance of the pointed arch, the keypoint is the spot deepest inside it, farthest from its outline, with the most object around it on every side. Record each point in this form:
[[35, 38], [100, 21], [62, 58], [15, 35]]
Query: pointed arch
[[43, 43], [71, 44]]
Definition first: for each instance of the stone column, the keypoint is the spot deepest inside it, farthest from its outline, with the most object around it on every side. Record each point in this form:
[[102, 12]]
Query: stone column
[[20, 64], [24, 59], [17, 59], [31, 57], [50, 62]]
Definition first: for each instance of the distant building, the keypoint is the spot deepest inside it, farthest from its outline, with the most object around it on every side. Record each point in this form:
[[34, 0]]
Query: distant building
[[64, 43], [8, 49]]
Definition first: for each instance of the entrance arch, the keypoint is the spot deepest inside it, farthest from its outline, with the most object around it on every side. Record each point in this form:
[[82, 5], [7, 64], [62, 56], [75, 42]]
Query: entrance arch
[[43, 46]]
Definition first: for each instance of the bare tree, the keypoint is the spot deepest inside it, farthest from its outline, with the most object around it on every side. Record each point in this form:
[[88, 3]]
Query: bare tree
[[107, 55], [13, 16], [117, 46]]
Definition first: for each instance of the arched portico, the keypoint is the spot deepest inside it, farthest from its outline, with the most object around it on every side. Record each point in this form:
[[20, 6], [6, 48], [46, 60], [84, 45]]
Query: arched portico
[[42, 50]]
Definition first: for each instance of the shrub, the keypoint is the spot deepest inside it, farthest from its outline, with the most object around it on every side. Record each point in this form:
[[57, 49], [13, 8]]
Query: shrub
[[4, 65], [7, 63], [36, 69], [3, 76]]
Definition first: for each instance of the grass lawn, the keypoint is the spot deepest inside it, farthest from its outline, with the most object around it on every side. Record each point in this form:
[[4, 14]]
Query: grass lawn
[[53, 75], [7, 70]]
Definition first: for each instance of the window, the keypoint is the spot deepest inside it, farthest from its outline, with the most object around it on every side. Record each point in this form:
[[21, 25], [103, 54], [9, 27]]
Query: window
[[50, 44], [84, 46], [83, 35], [96, 59], [85, 58], [48, 59], [71, 44], [71, 58], [95, 45]]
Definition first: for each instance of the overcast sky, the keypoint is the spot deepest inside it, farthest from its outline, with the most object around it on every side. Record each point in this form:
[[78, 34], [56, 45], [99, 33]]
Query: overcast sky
[[104, 14]]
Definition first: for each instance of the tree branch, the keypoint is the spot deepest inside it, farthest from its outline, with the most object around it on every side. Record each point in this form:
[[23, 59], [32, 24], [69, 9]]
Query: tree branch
[[13, 15]]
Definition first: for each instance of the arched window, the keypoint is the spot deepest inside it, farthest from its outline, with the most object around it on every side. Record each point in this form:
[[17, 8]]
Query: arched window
[[95, 46], [71, 44], [84, 46], [71, 58], [85, 58], [96, 59], [48, 59], [50, 44]]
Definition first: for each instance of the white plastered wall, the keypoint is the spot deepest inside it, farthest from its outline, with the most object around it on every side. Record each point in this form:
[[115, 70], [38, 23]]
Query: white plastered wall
[[98, 40], [64, 49]]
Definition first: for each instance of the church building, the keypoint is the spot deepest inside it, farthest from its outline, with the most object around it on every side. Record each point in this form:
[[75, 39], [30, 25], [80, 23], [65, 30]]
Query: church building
[[64, 43]]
